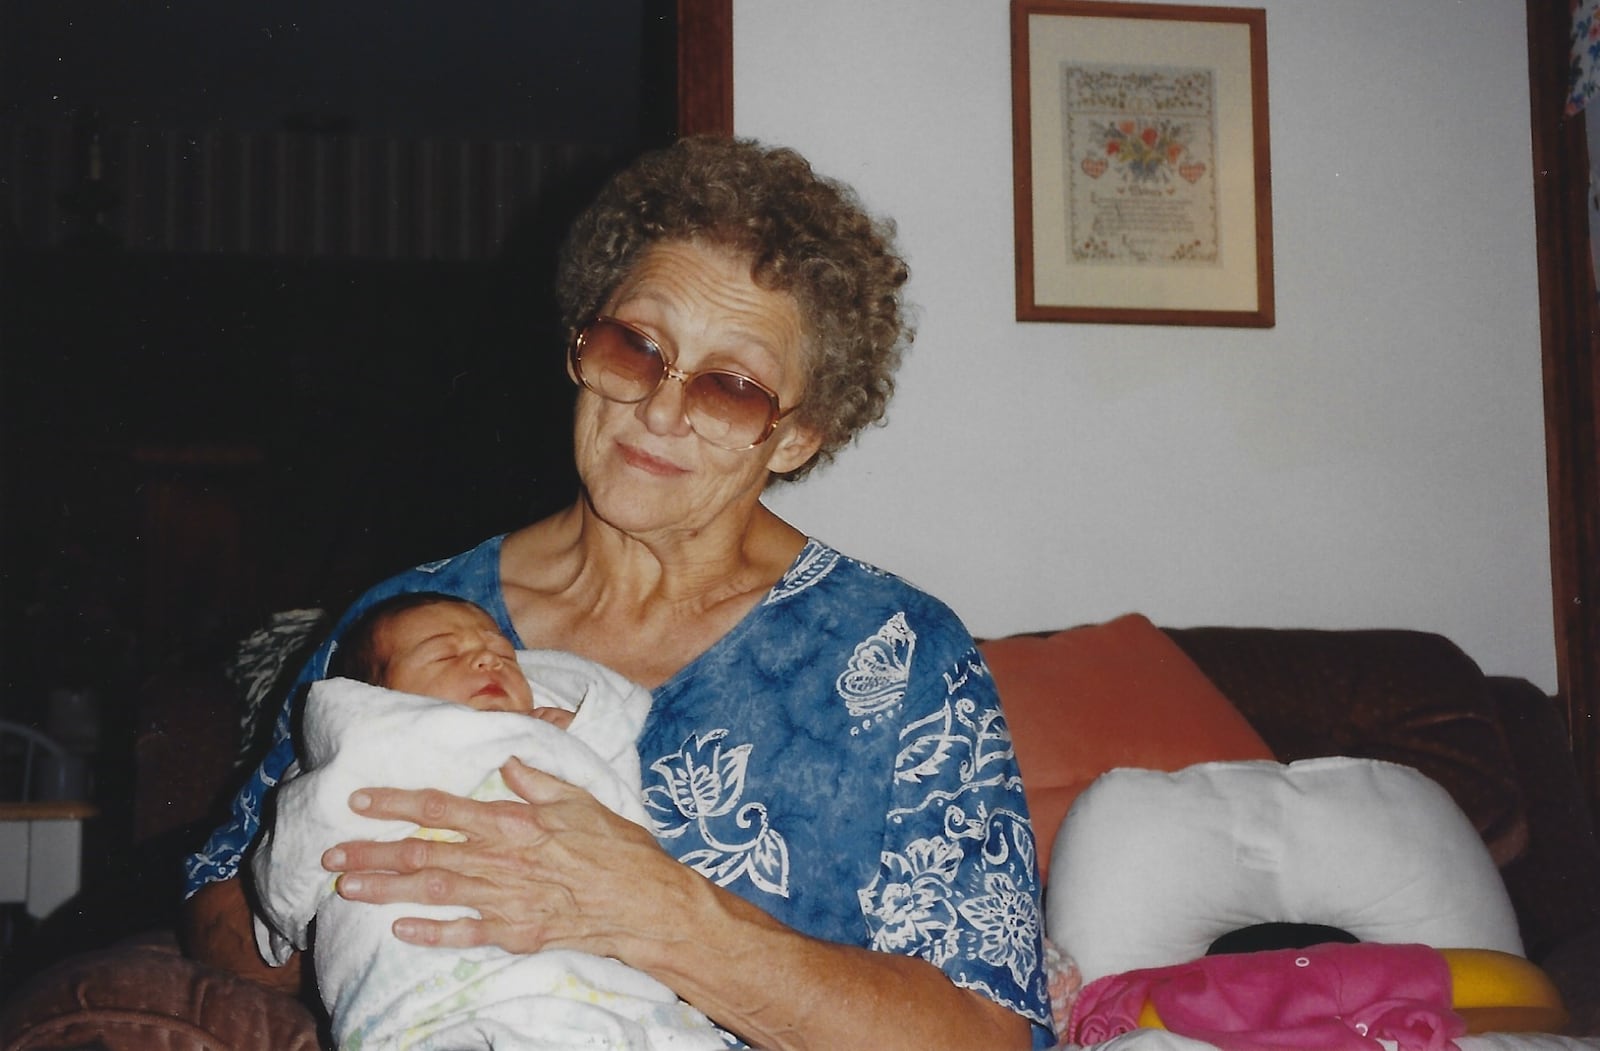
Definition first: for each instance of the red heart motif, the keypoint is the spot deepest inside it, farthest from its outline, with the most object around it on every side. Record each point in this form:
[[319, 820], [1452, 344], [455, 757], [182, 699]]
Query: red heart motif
[[1094, 167], [1192, 170]]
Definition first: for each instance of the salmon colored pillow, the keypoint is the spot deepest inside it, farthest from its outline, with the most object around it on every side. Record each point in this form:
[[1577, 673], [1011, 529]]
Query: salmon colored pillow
[[1087, 700]]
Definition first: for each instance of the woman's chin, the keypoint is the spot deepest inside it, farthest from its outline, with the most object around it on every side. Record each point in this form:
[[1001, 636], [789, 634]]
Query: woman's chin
[[629, 511], [641, 504]]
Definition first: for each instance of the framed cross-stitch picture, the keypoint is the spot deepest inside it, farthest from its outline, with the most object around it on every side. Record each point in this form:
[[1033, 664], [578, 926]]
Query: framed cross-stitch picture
[[1141, 167]]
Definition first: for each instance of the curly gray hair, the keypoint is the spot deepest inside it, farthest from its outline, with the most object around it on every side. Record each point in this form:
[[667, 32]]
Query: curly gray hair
[[805, 235]]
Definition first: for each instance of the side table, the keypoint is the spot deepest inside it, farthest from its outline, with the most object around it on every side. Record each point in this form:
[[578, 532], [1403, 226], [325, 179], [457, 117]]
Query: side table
[[41, 853]]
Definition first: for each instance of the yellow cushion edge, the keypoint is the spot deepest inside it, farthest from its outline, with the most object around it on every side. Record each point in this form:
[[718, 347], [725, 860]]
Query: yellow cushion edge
[[1493, 992], [1498, 992]]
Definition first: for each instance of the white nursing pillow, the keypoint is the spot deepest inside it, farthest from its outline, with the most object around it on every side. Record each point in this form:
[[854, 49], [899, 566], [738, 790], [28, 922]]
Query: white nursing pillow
[[1150, 868]]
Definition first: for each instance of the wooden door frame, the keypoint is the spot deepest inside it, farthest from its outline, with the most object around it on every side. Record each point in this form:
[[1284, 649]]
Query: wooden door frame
[[705, 67], [1568, 324]]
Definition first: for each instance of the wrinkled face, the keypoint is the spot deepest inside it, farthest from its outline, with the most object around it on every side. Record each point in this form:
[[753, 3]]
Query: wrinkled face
[[644, 469], [454, 653]]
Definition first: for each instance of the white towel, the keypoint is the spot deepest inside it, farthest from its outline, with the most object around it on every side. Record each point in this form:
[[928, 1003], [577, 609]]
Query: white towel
[[384, 993]]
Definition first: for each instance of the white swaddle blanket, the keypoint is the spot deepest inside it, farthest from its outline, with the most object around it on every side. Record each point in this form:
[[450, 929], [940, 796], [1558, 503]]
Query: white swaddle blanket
[[384, 993]]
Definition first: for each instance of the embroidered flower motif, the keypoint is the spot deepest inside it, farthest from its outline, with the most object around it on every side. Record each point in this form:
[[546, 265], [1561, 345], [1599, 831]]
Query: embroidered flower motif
[[701, 785], [876, 676], [1007, 922], [701, 780], [908, 905], [1146, 151]]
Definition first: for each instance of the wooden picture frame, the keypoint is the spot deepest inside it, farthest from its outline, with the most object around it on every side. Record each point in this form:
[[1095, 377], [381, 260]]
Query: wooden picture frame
[[1141, 166]]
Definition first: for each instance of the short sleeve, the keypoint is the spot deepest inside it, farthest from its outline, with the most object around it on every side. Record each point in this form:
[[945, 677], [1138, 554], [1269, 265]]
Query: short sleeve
[[957, 882]]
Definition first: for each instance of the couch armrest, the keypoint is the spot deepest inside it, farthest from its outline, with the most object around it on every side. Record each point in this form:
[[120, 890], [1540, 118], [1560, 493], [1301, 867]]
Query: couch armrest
[[144, 995]]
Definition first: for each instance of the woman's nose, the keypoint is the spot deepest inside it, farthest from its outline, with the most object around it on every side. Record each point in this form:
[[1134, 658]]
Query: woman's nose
[[664, 412]]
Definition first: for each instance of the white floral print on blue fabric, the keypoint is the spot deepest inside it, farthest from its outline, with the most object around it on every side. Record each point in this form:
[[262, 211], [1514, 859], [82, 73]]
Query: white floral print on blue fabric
[[814, 563], [961, 755], [702, 784], [867, 728], [875, 680]]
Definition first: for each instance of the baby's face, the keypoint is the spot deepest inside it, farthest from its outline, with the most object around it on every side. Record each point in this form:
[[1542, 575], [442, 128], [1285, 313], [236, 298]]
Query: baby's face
[[454, 653]]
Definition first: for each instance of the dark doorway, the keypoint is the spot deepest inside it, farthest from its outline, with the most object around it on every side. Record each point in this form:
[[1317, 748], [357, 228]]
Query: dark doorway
[[275, 309], [275, 316]]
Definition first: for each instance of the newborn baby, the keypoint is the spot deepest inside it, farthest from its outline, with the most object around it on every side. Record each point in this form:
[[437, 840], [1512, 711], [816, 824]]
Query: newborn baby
[[428, 692]]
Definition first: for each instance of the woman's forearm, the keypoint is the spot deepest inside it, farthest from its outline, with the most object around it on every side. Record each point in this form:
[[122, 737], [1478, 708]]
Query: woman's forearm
[[217, 930], [780, 990]]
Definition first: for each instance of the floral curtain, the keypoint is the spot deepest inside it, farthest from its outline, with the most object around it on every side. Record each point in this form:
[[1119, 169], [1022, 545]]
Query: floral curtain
[[1583, 86], [1585, 82]]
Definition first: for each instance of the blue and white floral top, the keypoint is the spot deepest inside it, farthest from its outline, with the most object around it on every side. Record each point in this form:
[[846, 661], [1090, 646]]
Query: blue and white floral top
[[839, 759]]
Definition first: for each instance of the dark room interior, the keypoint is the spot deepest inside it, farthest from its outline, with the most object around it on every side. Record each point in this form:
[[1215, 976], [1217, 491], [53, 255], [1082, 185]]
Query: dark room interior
[[274, 323]]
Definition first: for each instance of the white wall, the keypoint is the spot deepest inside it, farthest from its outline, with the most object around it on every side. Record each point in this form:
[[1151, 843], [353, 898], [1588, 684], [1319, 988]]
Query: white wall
[[1375, 460]]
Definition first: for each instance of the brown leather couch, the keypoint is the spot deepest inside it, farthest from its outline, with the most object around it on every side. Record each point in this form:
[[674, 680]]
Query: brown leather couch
[[1499, 745]]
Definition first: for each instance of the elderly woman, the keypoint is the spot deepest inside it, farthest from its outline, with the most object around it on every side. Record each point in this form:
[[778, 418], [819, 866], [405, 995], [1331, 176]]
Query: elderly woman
[[841, 854]]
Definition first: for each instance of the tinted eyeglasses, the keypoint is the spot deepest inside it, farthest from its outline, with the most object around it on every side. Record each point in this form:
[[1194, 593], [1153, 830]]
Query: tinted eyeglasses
[[620, 363]]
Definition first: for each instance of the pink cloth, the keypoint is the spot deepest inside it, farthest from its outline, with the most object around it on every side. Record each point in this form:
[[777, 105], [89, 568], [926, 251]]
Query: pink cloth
[[1333, 997]]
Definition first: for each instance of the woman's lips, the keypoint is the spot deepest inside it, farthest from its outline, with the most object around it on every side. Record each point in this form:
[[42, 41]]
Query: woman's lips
[[633, 456]]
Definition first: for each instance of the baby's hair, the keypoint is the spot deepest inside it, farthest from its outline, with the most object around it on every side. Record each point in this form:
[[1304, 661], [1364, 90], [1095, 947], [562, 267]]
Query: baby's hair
[[355, 654]]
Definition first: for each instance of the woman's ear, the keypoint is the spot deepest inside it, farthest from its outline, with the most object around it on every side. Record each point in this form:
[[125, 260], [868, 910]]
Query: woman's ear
[[792, 446]]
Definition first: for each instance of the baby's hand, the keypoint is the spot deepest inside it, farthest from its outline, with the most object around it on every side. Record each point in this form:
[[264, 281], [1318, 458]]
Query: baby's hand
[[558, 716]]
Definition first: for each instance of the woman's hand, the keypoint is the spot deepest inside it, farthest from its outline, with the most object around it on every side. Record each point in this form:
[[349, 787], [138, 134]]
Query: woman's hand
[[560, 872], [565, 872]]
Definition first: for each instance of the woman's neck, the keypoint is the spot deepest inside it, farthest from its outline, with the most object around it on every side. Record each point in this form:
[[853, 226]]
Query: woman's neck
[[644, 605]]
